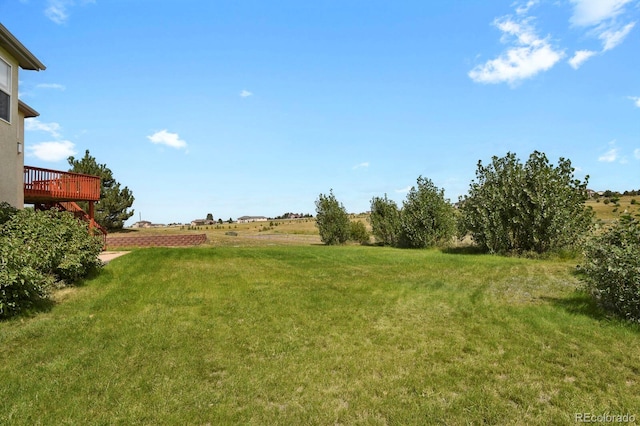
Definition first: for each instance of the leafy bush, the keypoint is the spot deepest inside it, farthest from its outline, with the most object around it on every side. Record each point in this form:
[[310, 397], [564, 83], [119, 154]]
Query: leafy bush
[[385, 221], [332, 220], [515, 207], [611, 268], [426, 218], [38, 248], [6, 211], [358, 232]]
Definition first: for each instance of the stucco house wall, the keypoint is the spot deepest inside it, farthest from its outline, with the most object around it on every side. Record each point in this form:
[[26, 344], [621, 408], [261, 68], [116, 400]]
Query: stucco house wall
[[10, 161], [13, 53]]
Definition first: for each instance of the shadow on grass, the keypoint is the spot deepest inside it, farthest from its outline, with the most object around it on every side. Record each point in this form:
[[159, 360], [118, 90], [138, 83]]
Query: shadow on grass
[[579, 303], [464, 250], [37, 306]]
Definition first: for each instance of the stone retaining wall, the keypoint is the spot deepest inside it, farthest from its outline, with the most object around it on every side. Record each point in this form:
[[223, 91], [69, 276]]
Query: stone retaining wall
[[156, 240]]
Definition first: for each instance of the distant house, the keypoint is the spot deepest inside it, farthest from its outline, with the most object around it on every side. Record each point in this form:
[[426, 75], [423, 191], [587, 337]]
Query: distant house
[[142, 224], [249, 219], [202, 222]]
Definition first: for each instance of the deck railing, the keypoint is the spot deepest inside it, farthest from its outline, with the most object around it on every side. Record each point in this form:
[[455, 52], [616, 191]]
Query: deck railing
[[41, 185]]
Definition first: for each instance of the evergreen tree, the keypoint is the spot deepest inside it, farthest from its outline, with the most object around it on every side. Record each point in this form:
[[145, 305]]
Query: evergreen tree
[[112, 210]]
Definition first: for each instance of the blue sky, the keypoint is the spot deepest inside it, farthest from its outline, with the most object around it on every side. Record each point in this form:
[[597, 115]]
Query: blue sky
[[254, 108]]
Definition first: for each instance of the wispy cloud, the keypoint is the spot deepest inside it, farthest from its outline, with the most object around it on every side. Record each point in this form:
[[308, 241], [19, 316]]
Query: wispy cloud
[[612, 38], [636, 100], [361, 165], [404, 190], [245, 94], [603, 17], [58, 10], [163, 137], [524, 8], [636, 153], [35, 125], [56, 150], [611, 155], [528, 55], [592, 12], [52, 151], [580, 57], [55, 86]]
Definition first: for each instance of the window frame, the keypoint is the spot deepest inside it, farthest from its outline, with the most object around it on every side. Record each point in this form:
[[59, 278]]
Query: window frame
[[8, 89]]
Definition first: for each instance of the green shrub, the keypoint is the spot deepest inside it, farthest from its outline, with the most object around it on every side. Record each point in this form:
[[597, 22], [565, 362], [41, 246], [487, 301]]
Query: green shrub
[[358, 232], [535, 206], [38, 249], [611, 268], [385, 221], [6, 212], [427, 218], [332, 220]]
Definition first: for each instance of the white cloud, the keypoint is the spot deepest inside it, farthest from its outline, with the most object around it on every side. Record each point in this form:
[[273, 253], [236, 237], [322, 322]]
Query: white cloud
[[245, 93], [404, 190], [58, 10], [35, 125], [50, 86], [524, 9], [592, 12], [604, 18], [361, 165], [636, 153], [611, 155], [636, 100], [169, 139], [528, 57], [52, 151], [611, 38], [580, 57]]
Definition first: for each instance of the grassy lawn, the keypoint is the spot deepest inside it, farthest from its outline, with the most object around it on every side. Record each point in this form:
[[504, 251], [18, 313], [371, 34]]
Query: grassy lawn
[[319, 335]]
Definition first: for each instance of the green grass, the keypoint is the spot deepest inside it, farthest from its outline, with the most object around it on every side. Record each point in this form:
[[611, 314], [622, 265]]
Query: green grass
[[319, 335]]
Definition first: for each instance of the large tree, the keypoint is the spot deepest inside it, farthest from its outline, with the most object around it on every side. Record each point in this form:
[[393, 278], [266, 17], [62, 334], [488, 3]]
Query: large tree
[[332, 220], [112, 210], [536, 206]]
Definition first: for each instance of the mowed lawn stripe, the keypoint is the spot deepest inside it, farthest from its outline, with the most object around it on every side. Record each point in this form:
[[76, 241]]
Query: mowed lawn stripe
[[318, 335]]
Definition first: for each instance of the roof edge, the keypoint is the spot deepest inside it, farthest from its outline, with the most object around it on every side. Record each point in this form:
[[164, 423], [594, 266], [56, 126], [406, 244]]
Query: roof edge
[[26, 59], [27, 110]]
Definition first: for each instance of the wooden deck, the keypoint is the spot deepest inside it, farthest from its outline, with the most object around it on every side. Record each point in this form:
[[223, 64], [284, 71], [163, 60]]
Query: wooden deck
[[45, 186]]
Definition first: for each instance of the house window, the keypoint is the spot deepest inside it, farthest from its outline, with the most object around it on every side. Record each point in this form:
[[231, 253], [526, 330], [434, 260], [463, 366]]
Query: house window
[[5, 91]]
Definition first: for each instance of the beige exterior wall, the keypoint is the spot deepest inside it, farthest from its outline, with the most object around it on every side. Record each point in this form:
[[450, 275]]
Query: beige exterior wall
[[11, 163]]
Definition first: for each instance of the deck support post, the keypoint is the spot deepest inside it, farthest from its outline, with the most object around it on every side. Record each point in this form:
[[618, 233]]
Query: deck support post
[[91, 216]]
